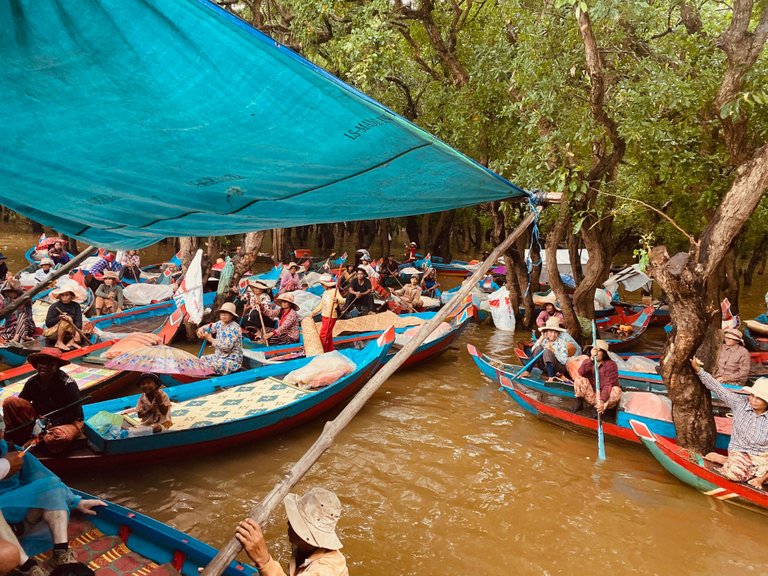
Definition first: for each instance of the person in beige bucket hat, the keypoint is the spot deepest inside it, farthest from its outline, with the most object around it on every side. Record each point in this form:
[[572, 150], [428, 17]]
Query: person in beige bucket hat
[[227, 340], [109, 296], [747, 459], [312, 520], [733, 362], [556, 347]]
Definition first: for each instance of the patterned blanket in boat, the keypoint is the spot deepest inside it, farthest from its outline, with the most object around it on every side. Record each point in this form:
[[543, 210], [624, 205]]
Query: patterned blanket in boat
[[109, 555], [234, 403], [86, 377]]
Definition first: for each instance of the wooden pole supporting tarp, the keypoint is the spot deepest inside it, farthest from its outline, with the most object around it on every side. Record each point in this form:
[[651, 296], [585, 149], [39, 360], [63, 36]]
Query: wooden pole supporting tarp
[[68, 267], [261, 512]]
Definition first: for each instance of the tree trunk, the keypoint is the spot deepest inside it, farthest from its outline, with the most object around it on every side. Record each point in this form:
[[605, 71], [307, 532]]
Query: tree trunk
[[597, 241], [412, 229], [758, 254], [384, 240], [521, 270], [730, 278], [554, 238], [572, 241], [253, 241], [279, 251], [691, 404]]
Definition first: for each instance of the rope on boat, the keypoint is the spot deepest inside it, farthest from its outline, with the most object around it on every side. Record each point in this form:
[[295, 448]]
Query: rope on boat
[[261, 512], [533, 202]]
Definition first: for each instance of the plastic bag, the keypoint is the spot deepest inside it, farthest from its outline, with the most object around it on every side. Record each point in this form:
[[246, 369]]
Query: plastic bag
[[647, 404], [322, 371], [602, 299], [501, 310], [103, 421], [142, 294], [403, 338], [306, 301]]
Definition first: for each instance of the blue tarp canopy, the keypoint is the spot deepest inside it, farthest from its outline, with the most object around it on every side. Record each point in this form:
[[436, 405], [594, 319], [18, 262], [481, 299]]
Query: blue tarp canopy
[[126, 121]]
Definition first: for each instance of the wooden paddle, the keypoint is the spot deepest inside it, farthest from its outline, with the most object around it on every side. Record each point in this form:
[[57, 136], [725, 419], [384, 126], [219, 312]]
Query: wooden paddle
[[600, 436], [532, 361]]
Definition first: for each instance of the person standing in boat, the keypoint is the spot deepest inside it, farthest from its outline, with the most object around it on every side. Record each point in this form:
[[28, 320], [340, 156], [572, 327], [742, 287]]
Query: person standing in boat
[[51, 393], [290, 281], [109, 296], [64, 318], [58, 254], [227, 340], [360, 294], [585, 386], [549, 311], [328, 308], [287, 331], [410, 294], [557, 347], [43, 273], [20, 324], [747, 459], [734, 362], [312, 521]]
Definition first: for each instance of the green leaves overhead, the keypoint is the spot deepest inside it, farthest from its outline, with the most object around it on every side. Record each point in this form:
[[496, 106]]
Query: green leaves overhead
[[506, 83]]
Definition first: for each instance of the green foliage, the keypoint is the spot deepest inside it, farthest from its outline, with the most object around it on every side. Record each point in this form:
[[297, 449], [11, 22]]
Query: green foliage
[[525, 111]]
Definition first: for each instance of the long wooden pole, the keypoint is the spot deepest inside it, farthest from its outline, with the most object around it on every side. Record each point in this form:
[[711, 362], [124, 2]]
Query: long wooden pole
[[261, 512], [69, 266]]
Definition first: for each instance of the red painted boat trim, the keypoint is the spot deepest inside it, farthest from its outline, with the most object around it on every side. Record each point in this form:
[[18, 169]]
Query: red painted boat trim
[[682, 457], [68, 464], [576, 419]]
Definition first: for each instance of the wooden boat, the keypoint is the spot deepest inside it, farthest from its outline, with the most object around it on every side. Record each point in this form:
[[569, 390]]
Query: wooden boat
[[121, 542], [254, 353], [692, 469], [635, 378], [221, 412], [85, 367], [608, 328], [756, 333], [152, 272], [556, 402], [162, 318], [661, 315]]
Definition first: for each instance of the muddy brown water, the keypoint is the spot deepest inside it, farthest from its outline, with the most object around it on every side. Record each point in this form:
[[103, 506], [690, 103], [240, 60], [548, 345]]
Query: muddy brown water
[[442, 473]]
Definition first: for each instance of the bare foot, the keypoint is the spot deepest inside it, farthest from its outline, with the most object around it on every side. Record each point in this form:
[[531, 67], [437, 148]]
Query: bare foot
[[715, 457], [62, 346], [756, 483]]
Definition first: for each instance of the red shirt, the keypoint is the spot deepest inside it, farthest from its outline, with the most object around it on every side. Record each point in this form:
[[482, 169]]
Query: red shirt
[[609, 375]]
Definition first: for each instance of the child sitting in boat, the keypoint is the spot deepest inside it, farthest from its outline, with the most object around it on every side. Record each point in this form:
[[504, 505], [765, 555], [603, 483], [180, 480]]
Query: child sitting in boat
[[227, 339], [584, 384], [154, 406]]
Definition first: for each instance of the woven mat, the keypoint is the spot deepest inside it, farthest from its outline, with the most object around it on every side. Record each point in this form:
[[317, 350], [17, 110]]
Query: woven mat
[[234, 403], [373, 322], [86, 377], [311, 336]]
